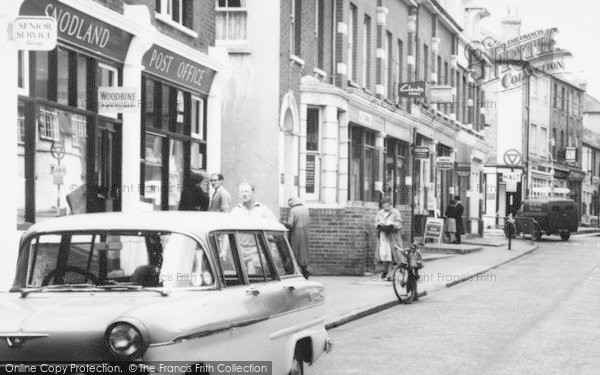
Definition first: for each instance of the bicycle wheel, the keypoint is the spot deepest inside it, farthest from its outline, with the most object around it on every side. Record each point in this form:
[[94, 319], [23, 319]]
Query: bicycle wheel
[[404, 284]]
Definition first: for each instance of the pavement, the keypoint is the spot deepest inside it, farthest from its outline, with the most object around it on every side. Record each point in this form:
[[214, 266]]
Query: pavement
[[353, 297]]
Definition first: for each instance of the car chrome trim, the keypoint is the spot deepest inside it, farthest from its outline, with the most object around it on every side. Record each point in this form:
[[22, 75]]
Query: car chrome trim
[[298, 327], [206, 331], [17, 340]]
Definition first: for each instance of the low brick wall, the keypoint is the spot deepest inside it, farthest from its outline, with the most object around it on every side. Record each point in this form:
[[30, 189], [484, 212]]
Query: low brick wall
[[343, 240]]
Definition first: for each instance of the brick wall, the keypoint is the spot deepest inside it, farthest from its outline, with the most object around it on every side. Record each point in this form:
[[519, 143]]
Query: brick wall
[[343, 240]]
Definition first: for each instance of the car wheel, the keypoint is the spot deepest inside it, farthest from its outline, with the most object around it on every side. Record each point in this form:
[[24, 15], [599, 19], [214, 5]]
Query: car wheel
[[297, 367], [565, 236]]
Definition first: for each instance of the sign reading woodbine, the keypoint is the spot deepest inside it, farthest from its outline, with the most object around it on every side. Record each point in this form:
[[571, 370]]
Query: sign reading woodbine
[[117, 99]]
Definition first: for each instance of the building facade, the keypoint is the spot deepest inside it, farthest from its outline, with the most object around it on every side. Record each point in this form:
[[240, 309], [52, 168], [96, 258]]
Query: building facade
[[590, 207], [73, 155]]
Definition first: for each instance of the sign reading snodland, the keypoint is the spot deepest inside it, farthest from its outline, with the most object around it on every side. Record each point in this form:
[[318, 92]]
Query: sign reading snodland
[[117, 99]]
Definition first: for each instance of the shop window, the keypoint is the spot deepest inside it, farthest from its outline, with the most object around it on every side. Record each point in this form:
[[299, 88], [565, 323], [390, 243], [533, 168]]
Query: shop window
[[197, 118], [107, 76], [396, 170], [180, 113], [23, 72], [48, 124], [152, 172], [62, 79], [42, 73], [176, 170], [82, 63], [79, 130], [148, 96], [231, 20], [363, 166], [198, 157], [166, 108], [21, 123], [175, 11]]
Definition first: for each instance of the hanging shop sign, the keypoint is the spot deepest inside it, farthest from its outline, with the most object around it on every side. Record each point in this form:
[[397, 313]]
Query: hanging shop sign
[[178, 69], [441, 94], [80, 29], [412, 89], [35, 33], [575, 175], [421, 152], [595, 180], [117, 99], [444, 162]]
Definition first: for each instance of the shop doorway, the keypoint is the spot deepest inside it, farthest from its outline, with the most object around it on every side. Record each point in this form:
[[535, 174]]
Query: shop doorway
[[513, 200], [107, 168]]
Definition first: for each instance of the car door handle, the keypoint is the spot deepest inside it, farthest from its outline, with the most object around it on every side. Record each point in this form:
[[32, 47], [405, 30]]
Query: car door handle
[[291, 288], [253, 292]]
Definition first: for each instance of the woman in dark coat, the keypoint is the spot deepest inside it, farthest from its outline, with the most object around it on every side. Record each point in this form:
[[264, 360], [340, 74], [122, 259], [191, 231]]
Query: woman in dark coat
[[450, 222], [195, 196], [298, 223], [460, 227]]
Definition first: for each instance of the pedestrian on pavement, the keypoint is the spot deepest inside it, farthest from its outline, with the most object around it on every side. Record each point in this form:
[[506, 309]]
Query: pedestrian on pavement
[[194, 197], [249, 206], [460, 226], [450, 222], [388, 223], [221, 200], [298, 222]]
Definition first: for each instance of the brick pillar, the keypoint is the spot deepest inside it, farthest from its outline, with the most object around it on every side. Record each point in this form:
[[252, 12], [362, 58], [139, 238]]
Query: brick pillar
[[341, 43], [344, 155], [379, 154], [382, 12], [329, 158]]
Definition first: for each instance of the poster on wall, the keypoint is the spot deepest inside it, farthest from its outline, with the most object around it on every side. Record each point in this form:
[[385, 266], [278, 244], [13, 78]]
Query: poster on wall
[[310, 174]]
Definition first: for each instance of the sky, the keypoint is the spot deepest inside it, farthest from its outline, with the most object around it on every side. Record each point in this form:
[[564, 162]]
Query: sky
[[577, 20]]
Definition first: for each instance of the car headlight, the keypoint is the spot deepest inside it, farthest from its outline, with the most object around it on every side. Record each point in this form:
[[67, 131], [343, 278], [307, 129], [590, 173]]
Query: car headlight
[[125, 341]]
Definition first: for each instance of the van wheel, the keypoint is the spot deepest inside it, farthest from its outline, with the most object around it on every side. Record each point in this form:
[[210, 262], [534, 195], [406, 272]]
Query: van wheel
[[297, 367], [565, 236], [537, 235]]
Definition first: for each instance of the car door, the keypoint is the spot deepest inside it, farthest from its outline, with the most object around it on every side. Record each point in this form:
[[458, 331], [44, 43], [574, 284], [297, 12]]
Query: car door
[[252, 324]]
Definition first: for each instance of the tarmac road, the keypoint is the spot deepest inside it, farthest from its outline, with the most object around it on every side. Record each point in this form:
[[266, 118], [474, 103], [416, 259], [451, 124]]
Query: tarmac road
[[537, 315]]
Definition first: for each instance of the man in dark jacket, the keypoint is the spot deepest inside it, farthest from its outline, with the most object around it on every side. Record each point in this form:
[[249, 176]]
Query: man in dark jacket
[[460, 227], [195, 196]]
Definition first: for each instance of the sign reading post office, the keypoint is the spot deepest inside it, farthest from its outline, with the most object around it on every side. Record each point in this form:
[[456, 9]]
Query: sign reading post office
[[35, 33]]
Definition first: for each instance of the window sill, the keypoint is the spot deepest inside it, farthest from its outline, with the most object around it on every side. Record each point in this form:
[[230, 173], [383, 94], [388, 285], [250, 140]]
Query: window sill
[[320, 72], [367, 91], [234, 46], [166, 19], [297, 60], [353, 84]]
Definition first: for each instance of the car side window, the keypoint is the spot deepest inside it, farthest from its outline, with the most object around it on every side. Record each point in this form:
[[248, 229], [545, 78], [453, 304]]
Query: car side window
[[281, 254], [225, 243], [253, 260]]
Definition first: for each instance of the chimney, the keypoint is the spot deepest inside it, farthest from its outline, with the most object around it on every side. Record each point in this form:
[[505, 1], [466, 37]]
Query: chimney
[[511, 25]]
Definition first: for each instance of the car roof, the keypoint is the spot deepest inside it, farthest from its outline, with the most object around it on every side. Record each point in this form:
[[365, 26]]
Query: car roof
[[191, 222]]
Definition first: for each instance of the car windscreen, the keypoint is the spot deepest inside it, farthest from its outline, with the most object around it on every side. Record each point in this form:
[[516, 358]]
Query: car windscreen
[[146, 259]]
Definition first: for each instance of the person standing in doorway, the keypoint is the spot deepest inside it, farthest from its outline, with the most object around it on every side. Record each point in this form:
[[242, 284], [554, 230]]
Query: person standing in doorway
[[249, 206], [195, 196], [298, 222], [221, 200], [450, 222], [460, 227], [388, 223]]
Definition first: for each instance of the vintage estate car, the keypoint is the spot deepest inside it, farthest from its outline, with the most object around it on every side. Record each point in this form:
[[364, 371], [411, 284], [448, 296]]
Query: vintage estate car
[[162, 286]]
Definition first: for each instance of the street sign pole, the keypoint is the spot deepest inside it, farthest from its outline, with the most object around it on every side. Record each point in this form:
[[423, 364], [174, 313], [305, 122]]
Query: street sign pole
[[413, 185]]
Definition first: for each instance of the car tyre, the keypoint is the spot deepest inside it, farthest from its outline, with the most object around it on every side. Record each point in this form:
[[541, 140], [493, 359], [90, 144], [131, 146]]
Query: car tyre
[[565, 236], [297, 367]]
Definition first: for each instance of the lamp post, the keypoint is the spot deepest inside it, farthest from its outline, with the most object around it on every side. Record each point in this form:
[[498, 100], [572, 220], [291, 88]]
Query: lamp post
[[552, 144]]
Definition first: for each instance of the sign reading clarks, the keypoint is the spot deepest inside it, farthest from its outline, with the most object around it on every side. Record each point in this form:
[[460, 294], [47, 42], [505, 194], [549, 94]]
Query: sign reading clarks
[[412, 89]]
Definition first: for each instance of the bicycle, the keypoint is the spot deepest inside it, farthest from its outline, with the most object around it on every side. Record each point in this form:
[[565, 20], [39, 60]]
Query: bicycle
[[406, 275]]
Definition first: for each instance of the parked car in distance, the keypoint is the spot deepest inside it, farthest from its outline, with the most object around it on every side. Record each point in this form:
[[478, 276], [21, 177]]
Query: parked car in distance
[[548, 216], [162, 286]]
